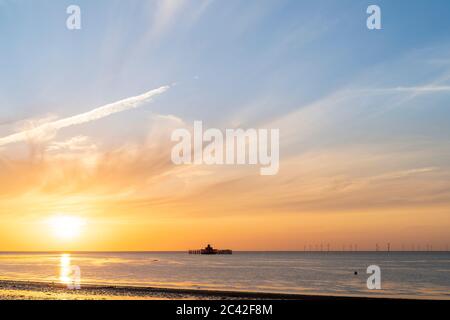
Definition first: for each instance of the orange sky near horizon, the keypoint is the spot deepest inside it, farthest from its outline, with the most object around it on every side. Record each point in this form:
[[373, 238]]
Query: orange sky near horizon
[[238, 233], [133, 198], [128, 205]]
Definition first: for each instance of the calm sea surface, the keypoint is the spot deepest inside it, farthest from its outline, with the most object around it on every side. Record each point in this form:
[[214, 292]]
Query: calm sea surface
[[414, 274]]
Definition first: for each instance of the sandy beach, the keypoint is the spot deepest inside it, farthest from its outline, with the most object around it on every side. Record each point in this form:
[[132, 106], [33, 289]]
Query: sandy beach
[[25, 290]]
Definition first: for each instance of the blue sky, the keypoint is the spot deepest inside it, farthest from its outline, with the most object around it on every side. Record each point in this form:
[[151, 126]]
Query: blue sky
[[235, 63], [223, 54]]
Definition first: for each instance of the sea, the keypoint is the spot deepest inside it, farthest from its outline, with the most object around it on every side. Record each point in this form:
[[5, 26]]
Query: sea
[[424, 275]]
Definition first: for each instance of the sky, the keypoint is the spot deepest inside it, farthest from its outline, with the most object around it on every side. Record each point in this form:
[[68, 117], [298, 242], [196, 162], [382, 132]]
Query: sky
[[86, 118]]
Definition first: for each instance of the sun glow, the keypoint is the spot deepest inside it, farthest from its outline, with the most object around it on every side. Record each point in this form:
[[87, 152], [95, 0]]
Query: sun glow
[[66, 227]]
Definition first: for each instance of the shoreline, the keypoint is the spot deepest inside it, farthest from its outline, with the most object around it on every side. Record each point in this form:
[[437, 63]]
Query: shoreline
[[32, 290]]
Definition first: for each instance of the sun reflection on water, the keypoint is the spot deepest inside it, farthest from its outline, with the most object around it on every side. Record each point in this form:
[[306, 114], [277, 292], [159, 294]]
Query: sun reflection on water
[[65, 269]]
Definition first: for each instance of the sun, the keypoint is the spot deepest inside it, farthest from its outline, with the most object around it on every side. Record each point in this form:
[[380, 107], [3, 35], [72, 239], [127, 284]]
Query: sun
[[66, 227]]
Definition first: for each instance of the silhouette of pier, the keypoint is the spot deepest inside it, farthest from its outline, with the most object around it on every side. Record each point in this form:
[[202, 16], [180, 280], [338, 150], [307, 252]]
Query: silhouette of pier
[[210, 250]]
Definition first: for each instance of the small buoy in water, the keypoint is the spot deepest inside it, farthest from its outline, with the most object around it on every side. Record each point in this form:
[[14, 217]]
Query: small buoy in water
[[356, 273]]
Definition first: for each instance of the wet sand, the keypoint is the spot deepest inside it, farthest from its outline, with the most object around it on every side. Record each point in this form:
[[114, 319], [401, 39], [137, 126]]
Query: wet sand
[[24, 290]]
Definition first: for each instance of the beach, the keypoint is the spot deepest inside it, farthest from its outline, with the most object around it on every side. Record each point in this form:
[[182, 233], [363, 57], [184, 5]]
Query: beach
[[26, 290]]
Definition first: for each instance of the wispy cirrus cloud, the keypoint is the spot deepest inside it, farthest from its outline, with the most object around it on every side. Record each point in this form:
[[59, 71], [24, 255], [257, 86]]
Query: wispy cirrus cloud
[[74, 144], [165, 15], [419, 89], [49, 129]]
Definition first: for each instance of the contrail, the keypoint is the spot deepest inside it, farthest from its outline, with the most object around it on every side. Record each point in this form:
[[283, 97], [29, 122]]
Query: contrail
[[95, 114]]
